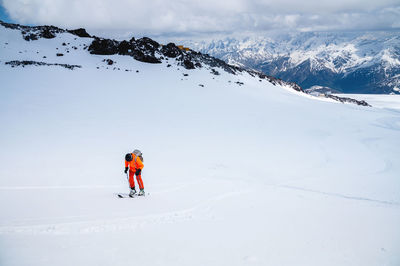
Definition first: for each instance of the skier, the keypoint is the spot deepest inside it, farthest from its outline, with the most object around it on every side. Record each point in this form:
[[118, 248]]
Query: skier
[[134, 162]]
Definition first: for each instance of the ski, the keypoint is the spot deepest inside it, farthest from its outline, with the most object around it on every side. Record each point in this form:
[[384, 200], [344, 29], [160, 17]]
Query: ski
[[126, 195]]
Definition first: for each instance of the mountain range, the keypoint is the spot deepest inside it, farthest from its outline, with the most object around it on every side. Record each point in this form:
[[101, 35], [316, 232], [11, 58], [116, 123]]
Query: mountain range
[[348, 62]]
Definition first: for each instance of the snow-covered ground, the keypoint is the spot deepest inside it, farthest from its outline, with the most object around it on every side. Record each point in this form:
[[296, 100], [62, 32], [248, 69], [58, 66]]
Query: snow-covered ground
[[235, 175], [377, 100]]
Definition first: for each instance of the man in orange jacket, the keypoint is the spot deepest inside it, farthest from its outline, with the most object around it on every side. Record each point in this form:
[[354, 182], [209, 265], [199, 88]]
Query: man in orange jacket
[[134, 163]]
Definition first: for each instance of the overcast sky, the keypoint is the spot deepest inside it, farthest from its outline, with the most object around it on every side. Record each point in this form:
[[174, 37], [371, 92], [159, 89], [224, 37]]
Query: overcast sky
[[207, 17]]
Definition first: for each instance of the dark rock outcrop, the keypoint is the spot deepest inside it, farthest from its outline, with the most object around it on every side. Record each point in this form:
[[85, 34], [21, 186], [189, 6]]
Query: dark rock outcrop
[[109, 61], [35, 63], [143, 50], [33, 33], [147, 44], [80, 33], [214, 72], [126, 48], [346, 100], [30, 37], [49, 32], [188, 64], [150, 51], [171, 50], [104, 47], [140, 56]]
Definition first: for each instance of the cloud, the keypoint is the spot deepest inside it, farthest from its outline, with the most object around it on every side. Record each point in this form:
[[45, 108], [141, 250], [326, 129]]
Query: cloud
[[158, 17]]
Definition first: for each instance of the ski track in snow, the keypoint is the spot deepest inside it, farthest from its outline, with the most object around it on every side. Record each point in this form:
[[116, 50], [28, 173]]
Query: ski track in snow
[[53, 187], [392, 123], [118, 224], [342, 195], [89, 224]]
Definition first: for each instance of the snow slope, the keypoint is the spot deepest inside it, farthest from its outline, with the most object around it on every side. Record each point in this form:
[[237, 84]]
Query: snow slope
[[250, 174], [377, 100]]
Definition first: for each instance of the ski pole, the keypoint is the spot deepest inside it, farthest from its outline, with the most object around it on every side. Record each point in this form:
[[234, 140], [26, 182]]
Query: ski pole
[[127, 178]]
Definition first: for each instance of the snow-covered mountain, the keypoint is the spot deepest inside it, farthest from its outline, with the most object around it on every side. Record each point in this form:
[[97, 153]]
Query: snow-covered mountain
[[145, 50], [240, 168], [351, 62]]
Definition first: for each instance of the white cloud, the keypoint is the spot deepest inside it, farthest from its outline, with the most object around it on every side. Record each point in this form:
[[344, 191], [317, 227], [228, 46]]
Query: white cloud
[[207, 16]]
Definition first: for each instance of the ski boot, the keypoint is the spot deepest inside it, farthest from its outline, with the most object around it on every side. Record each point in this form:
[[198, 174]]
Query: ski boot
[[141, 192], [132, 193]]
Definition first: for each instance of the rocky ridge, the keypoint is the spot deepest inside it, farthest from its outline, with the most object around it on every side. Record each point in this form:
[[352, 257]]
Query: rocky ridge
[[149, 51], [32, 33]]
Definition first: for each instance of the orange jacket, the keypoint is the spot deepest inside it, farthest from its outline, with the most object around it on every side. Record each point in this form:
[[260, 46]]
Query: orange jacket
[[135, 164]]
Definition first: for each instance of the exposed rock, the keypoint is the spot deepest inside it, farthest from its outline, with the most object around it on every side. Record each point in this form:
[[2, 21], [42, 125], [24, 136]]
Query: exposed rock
[[103, 47], [146, 49], [48, 32], [34, 33], [214, 72], [188, 64], [147, 44], [9, 25], [80, 32], [280, 82], [150, 51], [171, 50], [125, 48], [30, 37], [109, 61], [140, 56], [34, 63], [346, 100], [142, 50]]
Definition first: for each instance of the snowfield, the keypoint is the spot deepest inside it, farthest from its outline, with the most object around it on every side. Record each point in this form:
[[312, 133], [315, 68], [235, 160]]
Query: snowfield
[[377, 100], [251, 174]]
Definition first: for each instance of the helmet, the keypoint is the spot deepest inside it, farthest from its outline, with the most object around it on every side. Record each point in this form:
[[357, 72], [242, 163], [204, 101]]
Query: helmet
[[128, 157]]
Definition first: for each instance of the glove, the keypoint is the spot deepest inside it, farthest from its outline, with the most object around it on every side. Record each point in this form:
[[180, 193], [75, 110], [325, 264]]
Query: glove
[[138, 171], [126, 170]]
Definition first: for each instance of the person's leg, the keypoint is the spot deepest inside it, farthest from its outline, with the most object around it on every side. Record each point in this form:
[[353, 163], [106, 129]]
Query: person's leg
[[131, 179], [140, 181]]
